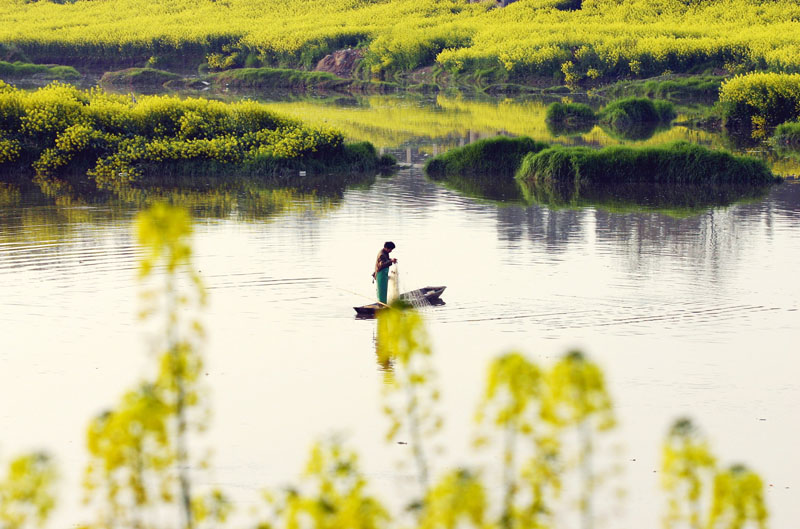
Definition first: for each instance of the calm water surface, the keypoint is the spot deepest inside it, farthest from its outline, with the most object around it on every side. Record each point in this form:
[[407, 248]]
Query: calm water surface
[[692, 316]]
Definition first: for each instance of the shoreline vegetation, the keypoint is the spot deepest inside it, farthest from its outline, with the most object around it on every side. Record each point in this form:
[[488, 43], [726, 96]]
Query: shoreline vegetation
[[564, 175], [677, 176], [72, 140], [272, 79], [629, 118]]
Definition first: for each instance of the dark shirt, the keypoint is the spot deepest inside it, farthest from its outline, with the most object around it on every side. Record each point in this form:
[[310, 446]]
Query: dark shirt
[[383, 261]]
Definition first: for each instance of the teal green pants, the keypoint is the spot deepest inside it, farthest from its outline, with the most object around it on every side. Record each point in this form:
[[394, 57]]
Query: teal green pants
[[383, 284]]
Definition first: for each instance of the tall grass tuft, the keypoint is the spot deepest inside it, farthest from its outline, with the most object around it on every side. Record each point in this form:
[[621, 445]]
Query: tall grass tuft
[[787, 135], [497, 157], [623, 113], [569, 118]]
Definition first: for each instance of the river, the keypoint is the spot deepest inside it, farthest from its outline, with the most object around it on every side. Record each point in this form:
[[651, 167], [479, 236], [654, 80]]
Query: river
[[688, 315]]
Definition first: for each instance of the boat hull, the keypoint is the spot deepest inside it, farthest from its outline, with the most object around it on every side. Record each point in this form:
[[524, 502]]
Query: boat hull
[[430, 295]]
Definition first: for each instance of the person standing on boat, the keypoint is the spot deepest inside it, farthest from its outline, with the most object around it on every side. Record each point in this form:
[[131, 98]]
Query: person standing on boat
[[381, 273]]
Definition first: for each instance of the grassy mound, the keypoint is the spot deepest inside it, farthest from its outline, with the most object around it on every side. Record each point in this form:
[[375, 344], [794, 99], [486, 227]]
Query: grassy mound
[[137, 77], [569, 118], [278, 78], [635, 118], [18, 69], [562, 174], [704, 88], [787, 135], [497, 157], [484, 169], [623, 113]]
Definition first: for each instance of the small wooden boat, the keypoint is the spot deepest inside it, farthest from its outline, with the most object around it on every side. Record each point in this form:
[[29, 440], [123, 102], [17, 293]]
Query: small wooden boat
[[370, 310], [429, 295]]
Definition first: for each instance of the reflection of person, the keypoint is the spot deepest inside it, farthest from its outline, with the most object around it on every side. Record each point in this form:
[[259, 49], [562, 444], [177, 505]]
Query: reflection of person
[[381, 273]]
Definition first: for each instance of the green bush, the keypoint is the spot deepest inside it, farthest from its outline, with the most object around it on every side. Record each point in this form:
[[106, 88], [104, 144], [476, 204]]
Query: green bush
[[115, 140], [569, 118]]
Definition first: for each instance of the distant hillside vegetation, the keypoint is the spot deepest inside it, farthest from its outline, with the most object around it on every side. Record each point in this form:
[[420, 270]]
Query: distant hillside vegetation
[[568, 41]]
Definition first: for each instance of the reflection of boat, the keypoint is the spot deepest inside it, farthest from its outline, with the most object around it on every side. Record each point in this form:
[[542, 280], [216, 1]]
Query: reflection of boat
[[425, 295]]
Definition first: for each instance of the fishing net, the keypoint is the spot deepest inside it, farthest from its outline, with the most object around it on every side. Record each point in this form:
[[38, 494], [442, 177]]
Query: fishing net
[[394, 285], [415, 299]]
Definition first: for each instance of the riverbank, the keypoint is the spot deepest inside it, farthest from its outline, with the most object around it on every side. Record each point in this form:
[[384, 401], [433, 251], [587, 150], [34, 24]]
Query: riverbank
[[67, 139]]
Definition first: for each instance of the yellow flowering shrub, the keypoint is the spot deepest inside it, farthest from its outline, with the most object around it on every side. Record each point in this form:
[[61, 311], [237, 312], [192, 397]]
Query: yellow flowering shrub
[[760, 100], [121, 136]]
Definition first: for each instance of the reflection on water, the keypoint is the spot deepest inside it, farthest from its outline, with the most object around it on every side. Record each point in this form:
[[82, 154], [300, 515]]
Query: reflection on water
[[674, 200], [414, 128]]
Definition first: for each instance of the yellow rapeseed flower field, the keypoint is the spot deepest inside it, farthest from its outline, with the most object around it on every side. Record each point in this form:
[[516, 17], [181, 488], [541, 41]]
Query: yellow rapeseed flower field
[[529, 37]]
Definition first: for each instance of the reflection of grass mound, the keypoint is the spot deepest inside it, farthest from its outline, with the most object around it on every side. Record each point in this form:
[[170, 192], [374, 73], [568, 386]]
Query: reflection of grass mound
[[485, 168], [695, 88], [632, 118], [561, 175], [674, 200], [635, 131]]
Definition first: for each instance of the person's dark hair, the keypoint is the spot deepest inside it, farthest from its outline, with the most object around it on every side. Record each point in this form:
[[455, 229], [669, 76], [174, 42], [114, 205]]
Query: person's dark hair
[[389, 245]]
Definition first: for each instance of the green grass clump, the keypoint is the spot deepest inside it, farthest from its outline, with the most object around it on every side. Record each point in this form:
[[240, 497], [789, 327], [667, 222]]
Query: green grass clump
[[703, 88], [277, 77], [18, 69], [62, 132], [758, 101], [569, 118], [569, 113], [485, 168], [787, 135], [625, 112], [562, 174], [138, 77], [497, 157], [636, 117]]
